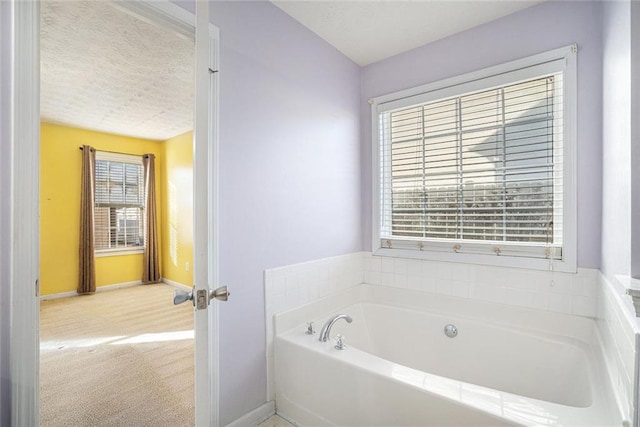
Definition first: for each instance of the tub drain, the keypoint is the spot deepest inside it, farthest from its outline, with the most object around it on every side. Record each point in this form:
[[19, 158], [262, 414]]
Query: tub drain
[[451, 331]]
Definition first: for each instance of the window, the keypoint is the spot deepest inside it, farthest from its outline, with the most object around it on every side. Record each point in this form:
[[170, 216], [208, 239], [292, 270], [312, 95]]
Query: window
[[479, 168], [119, 203]]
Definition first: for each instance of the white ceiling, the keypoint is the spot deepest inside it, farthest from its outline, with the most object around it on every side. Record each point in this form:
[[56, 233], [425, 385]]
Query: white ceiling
[[102, 69], [371, 30]]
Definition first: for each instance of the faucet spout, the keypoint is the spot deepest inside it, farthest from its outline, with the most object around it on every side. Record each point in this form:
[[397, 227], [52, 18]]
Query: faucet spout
[[326, 329]]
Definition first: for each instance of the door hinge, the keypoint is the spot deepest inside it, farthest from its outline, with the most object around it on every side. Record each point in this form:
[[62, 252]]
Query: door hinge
[[37, 288]]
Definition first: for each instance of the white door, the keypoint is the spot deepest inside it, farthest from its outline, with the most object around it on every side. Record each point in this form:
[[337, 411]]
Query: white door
[[23, 255], [205, 223]]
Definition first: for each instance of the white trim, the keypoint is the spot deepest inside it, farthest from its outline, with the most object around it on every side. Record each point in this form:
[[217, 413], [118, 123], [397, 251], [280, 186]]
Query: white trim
[[256, 416], [24, 205], [100, 253], [563, 59], [119, 157], [176, 285], [212, 218], [163, 14], [444, 90], [104, 288], [479, 74]]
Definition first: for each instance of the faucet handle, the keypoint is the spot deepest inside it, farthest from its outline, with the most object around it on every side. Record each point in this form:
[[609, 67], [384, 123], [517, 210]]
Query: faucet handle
[[310, 330], [340, 345]]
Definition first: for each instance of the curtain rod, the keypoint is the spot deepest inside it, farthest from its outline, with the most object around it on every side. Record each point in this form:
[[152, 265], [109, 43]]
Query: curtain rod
[[118, 152]]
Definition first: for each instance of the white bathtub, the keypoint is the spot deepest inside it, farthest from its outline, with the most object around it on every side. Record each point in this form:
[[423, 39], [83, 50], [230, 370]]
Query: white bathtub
[[507, 366]]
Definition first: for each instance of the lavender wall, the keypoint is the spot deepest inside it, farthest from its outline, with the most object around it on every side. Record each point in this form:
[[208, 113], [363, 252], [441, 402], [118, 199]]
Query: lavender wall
[[289, 175], [538, 29], [5, 210], [616, 134]]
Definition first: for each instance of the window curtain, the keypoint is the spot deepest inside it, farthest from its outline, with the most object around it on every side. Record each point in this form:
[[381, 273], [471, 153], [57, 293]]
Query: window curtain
[[151, 266], [87, 276]]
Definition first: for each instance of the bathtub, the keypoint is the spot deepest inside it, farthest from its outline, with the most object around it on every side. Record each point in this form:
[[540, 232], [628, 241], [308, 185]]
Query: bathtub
[[506, 366]]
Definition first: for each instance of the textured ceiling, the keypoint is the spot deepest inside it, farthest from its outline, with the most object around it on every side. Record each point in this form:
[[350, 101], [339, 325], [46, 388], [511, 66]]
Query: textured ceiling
[[102, 69], [371, 30]]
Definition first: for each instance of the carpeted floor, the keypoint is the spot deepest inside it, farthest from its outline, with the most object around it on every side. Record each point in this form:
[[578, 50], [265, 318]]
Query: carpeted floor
[[117, 358]]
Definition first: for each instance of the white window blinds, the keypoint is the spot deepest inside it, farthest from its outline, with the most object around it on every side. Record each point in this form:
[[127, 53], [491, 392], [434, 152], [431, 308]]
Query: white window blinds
[[119, 202], [481, 172]]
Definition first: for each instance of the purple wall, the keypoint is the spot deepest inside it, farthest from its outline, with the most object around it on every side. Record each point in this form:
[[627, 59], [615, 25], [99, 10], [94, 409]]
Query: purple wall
[[538, 29], [289, 173]]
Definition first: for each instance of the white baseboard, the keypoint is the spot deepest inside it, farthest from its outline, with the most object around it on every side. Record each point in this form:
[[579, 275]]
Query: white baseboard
[[98, 289], [176, 284], [256, 416]]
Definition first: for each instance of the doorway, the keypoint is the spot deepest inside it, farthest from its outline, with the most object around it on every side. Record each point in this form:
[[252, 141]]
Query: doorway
[[23, 257], [123, 85]]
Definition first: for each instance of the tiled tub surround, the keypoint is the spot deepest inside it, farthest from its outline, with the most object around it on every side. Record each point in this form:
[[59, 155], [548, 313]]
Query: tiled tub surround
[[577, 294], [298, 284], [620, 334], [543, 290], [507, 366]]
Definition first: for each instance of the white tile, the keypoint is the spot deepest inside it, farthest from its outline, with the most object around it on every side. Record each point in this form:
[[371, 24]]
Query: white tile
[[460, 289], [520, 298], [279, 303], [541, 300], [414, 282], [292, 299], [429, 270], [376, 264], [560, 303], [367, 276], [291, 281], [428, 284], [367, 264], [314, 292], [443, 286], [444, 271], [400, 266], [583, 306], [387, 265], [278, 284], [487, 275], [460, 272], [561, 283], [487, 292], [386, 279], [303, 293], [585, 287], [400, 281], [414, 267], [375, 278], [322, 271]]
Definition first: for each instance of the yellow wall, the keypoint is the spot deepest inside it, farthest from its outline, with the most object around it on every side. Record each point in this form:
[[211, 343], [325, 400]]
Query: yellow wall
[[177, 204], [60, 169]]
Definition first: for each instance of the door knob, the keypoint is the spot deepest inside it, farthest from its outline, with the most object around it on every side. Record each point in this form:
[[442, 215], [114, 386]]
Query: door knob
[[222, 294], [180, 296]]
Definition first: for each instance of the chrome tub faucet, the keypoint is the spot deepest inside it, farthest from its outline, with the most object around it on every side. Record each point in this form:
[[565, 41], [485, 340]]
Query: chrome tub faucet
[[326, 329]]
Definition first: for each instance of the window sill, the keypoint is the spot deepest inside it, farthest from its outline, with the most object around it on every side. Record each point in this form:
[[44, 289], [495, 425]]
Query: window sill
[[118, 252], [493, 260]]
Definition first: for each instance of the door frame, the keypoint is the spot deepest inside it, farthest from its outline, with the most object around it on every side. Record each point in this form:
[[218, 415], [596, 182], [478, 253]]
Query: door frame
[[24, 206]]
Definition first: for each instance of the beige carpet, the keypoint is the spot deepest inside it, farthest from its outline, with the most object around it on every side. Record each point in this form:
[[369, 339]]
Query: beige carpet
[[117, 358]]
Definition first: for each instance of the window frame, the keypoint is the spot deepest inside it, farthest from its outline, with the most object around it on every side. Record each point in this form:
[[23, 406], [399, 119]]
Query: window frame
[[559, 60], [130, 159]]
